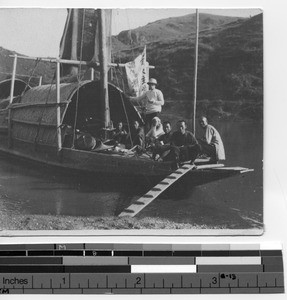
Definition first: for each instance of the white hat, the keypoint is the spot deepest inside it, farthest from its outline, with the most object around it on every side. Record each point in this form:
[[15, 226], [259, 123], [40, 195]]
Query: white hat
[[152, 81]]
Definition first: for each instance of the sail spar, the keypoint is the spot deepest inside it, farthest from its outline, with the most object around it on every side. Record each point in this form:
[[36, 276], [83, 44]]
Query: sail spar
[[80, 40]]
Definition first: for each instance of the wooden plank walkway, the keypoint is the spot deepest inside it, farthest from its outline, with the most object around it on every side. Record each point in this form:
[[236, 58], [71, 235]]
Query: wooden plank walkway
[[235, 169], [151, 195]]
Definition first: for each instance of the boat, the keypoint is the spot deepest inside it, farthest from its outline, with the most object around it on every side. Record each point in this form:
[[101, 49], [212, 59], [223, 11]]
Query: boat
[[34, 122]]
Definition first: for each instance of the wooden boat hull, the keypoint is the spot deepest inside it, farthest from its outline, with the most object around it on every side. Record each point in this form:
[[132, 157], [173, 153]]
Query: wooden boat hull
[[112, 167]]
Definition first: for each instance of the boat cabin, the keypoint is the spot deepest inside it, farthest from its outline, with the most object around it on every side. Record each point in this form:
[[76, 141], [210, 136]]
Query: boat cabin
[[5, 89], [34, 117]]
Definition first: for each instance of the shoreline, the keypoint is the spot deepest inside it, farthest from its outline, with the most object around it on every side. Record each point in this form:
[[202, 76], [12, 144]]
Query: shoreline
[[50, 222]]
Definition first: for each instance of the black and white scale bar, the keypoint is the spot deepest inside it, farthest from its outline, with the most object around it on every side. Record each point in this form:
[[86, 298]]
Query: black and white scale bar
[[96, 252], [139, 283]]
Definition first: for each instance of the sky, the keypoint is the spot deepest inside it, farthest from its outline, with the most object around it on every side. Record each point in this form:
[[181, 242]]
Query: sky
[[37, 32]]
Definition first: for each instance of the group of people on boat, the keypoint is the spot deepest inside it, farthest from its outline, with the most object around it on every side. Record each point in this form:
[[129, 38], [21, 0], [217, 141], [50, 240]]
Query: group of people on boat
[[159, 140], [166, 145], [156, 138]]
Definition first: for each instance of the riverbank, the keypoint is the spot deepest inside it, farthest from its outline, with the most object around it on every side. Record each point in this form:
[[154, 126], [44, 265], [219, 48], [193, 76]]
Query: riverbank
[[49, 222], [44, 222]]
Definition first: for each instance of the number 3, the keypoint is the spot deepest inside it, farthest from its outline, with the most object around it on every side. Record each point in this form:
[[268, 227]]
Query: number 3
[[214, 280]]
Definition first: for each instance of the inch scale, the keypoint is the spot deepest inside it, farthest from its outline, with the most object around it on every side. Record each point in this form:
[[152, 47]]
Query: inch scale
[[140, 269]]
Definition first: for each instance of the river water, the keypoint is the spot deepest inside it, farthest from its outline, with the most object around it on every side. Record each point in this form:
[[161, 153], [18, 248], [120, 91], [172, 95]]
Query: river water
[[230, 203]]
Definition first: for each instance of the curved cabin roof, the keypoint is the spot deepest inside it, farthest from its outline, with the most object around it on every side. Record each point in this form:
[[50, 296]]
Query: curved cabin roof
[[5, 87], [34, 118]]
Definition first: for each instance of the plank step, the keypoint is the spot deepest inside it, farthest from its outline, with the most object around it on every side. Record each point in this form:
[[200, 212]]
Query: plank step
[[155, 189], [170, 177], [164, 183], [128, 210], [184, 168], [139, 202], [151, 195], [147, 196]]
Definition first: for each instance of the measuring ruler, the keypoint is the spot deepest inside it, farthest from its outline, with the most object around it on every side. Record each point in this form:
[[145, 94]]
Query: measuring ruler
[[140, 269]]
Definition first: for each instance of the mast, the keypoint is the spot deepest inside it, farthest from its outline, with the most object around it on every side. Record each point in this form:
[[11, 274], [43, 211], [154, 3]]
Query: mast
[[74, 70], [11, 101], [104, 69], [195, 69], [13, 78], [59, 136]]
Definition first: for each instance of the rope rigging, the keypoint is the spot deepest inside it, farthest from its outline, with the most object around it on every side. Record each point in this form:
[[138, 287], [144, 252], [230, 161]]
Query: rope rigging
[[79, 81], [43, 110], [31, 75], [122, 100]]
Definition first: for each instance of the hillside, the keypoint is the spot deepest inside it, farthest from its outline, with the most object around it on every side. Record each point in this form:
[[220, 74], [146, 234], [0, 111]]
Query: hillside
[[24, 67], [230, 75], [171, 28]]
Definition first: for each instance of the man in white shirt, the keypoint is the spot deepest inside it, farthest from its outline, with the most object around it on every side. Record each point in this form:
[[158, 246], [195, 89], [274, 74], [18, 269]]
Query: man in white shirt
[[151, 101], [211, 142]]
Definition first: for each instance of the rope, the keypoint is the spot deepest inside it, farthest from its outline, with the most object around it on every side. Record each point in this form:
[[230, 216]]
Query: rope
[[122, 100], [30, 77], [79, 81], [130, 32], [44, 109], [126, 115]]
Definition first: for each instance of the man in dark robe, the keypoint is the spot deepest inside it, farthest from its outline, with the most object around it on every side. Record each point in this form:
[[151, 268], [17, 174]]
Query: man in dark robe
[[162, 145], [136, 136], [184, 144]]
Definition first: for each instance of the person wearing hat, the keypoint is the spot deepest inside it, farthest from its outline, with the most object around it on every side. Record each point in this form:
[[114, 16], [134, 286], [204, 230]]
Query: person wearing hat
[[151, 101]]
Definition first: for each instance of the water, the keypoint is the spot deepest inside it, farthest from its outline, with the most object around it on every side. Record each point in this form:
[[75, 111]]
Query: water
[[230, 203]]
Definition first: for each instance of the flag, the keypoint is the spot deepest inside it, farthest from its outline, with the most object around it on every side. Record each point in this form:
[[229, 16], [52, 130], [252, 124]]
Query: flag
[[137, 72], [80, 39]]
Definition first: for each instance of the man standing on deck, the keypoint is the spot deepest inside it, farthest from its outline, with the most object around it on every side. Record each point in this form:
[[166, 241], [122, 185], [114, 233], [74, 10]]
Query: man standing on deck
[[184, 145], [151, 101], [211, 142]]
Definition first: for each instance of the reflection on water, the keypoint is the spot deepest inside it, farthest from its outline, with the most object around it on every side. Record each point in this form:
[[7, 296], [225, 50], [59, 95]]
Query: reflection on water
[[27, 189]]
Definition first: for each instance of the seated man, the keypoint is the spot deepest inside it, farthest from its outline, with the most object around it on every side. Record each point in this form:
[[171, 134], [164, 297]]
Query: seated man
[[163, 142], [119, 135], [184, 145], [211, 142], [136, 137]]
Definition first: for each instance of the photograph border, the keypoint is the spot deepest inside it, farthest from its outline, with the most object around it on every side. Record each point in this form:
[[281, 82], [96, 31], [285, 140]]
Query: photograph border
[[135, 232]]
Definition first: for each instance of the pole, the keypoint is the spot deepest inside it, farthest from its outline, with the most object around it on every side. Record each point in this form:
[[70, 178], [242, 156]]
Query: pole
[[59, 137], [40, 81], [92, 74], [74, 48], [13, 78], [11, 101], [72, 62], [104, 69], [195, 69]]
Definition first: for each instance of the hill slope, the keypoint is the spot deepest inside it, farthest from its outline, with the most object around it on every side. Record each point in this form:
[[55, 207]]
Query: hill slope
[[230, 63], [230, 75], [171, 28], [24, 67]]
